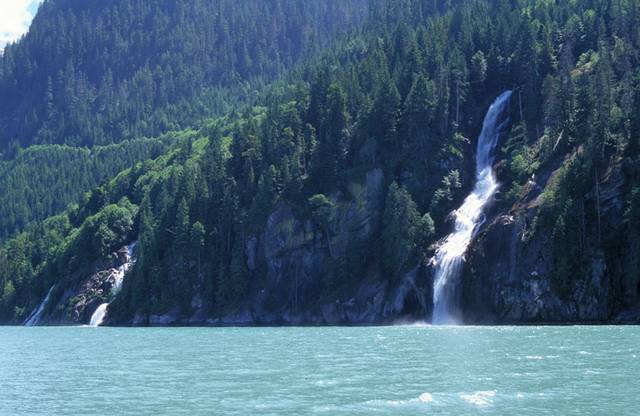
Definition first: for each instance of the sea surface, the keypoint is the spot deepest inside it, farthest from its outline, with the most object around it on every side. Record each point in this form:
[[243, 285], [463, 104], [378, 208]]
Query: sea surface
[[402, 370]]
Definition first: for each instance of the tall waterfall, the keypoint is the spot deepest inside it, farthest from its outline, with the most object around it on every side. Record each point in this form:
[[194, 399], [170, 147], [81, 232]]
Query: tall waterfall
[[450, 255], [37, 313], [101, 312]]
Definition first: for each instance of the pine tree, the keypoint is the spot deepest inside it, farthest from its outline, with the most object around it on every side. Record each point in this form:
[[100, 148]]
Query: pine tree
[[386, 114], [182, 244], [400, 229], [333, 143], [197, 242], [418, 116]]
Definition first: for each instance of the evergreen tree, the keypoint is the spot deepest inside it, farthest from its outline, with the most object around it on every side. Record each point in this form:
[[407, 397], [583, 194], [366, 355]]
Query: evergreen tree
[[400, 229], [419, 114], [386, 114], [333, 143]]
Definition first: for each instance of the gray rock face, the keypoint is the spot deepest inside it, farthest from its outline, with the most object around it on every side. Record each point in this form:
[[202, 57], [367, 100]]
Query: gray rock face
[[291, 260], [169, 318], [508, 280], [296, 258], [508, 274]]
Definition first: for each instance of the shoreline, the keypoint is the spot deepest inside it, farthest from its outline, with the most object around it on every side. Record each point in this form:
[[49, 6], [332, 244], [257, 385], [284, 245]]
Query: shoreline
[[337, 325]]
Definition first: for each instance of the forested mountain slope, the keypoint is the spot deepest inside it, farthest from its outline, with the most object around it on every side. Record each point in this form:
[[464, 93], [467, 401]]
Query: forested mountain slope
[[42, 180], [96, 72], [323, 202], [93, 73]]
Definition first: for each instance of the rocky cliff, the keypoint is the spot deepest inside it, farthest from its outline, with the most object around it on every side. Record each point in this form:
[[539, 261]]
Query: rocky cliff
[[292, 259], [509, 273]]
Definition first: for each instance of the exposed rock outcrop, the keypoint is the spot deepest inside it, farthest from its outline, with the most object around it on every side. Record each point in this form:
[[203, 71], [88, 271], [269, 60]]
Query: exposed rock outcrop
[[292, 259], [77, 302], [508, 276]]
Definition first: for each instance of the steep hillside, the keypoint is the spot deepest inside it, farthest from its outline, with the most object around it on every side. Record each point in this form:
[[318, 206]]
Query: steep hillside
[[324, 201], [93, 73]]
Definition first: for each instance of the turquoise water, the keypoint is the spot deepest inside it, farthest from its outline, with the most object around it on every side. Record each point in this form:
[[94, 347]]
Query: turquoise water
[[320, 371]]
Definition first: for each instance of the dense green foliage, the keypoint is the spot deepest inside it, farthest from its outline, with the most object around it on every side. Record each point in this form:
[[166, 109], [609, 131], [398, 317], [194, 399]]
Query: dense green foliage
[[42, 180], [95, 72], [402, 97], [404, 231]]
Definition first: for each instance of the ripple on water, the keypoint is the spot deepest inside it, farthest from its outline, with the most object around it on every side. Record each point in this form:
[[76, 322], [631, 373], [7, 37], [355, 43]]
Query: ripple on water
[[423, 398], [426, 397], [324, 383], [479, 398]]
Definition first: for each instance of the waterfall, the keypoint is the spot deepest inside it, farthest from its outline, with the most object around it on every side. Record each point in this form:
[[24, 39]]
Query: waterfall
[[37, 312], [101, 312], [450, 255]]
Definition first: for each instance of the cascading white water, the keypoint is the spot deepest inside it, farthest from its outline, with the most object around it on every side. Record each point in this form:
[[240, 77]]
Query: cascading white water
[[101, 312], [449, 256], [120, 271], [37, 313]]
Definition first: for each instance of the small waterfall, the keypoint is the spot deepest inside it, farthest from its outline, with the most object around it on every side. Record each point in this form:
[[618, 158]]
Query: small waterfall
[[35, 316], [450, 255], [101, 312], [98, 315]]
